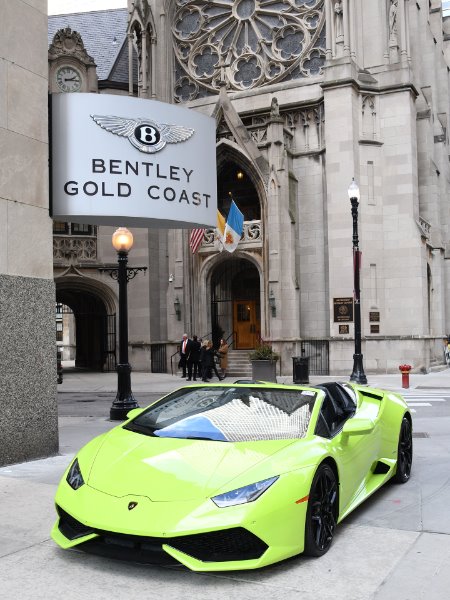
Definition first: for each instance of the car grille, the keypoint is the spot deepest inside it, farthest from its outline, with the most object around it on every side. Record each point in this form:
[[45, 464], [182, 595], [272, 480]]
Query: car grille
[[218, 546], [214, 546]]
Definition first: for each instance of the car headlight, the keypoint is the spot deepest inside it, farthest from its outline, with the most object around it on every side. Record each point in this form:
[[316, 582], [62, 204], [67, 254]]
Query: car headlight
[[245, 494], [74, 477]]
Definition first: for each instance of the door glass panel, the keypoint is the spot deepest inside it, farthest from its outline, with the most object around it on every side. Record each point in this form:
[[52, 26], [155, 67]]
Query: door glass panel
[[243, 312]]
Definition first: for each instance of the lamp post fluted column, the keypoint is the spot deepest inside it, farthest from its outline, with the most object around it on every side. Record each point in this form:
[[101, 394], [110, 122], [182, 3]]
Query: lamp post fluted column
[[124, 401], [358, 375]]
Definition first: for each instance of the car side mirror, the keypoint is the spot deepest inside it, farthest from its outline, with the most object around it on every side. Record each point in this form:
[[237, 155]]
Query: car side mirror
[[358, 426], [131, 414]]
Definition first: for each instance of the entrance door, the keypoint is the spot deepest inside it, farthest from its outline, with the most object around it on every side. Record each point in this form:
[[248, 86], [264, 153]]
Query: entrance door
[[245, 324]]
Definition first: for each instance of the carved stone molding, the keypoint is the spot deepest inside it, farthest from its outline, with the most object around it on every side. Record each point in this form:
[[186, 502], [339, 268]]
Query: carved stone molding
[[69, 43], [81, 249], [245, 44]]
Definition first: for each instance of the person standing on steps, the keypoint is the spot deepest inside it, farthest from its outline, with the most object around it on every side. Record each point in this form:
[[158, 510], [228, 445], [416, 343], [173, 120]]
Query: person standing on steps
[[193, 359], [223, 355], [184, 353], [203, 371], [209, 363]]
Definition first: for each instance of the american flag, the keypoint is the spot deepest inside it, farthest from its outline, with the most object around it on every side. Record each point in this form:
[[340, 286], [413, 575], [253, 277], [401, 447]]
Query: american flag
[[196, 239]]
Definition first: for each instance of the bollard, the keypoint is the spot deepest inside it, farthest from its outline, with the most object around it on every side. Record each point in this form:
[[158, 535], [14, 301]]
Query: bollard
[[405, 369]]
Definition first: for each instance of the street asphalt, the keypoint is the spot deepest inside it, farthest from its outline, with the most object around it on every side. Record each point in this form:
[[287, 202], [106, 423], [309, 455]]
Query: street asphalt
[[395, 546]]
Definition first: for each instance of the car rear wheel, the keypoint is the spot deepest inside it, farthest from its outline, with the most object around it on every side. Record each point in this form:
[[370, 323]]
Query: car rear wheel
[[322, 512], [405, 452]]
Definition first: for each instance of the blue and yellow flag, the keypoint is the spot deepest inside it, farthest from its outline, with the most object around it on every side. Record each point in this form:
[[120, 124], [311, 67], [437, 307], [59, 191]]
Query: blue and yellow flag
[[220, 229], [233, 229]]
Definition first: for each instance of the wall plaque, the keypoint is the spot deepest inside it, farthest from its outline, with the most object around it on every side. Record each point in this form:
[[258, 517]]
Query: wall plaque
[[343, 329], [343, 310], [374, 317], [374, 329]]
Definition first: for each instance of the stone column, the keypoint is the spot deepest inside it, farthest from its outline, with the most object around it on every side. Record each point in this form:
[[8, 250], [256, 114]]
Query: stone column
[[329, 28], [144, 65], [29, 420], [153, 65], [403, 44], [345, 18], [130, 64]]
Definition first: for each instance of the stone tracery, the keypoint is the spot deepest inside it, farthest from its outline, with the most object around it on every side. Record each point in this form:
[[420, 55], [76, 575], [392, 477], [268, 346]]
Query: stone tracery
[[245, 43]]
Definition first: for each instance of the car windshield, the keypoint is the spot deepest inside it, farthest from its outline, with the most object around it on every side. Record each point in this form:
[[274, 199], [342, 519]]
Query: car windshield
[[228, 414]]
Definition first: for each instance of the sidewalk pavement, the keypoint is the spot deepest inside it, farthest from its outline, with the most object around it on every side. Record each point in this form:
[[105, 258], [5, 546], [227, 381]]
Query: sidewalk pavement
[[397, 545], [162, 383]]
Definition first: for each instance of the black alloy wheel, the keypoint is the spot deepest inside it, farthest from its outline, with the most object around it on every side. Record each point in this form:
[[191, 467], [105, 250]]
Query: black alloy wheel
[[322, 513], [405, 453]]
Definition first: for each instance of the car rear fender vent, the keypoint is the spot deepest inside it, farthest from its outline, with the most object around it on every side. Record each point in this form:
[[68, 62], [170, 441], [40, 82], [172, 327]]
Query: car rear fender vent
[[218, 546], [70, 527], [420, 434], [381, 468], [371, 394]]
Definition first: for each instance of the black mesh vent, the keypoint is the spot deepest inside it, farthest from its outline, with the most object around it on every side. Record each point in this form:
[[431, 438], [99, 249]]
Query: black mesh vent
[[70, 527], [217, 546]]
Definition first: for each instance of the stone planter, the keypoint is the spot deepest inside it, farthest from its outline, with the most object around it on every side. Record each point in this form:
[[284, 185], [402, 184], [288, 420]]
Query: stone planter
[[264, 370]]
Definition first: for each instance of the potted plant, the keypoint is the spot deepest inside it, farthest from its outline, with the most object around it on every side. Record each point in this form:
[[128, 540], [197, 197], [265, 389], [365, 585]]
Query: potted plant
[[264, 362]]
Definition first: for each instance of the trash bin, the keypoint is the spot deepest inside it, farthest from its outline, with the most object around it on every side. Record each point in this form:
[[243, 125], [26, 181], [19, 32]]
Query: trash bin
[[300, 367]]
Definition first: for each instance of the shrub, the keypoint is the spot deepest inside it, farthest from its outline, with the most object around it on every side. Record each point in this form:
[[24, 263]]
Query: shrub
[[264, 351]]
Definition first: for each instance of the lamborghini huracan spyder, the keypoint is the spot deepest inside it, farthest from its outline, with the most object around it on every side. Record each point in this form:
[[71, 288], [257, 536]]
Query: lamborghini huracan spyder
[[236, 476]]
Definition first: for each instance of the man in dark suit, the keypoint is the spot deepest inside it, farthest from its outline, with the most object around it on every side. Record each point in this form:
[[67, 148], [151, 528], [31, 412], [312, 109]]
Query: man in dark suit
[[193, 358], [184, 353]]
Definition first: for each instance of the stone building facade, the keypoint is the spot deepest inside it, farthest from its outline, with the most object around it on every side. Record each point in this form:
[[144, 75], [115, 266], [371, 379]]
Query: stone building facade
[[307, 94], [28, 423]]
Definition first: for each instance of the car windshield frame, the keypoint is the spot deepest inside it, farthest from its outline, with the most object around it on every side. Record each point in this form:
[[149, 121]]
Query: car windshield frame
[[228, 413]]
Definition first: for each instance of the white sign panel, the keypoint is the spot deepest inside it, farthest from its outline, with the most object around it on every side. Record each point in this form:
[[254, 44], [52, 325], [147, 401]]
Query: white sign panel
[[118, 160]]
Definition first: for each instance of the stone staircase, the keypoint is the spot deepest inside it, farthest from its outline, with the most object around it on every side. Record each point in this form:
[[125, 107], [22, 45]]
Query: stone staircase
[[239, 364]]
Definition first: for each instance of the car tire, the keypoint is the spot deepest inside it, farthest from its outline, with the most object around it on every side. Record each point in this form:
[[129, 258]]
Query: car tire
[[322, 512], [404, 453]]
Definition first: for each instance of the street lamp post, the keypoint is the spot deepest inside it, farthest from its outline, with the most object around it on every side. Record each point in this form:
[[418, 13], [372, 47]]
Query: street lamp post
[[358, 375], [122, 241]]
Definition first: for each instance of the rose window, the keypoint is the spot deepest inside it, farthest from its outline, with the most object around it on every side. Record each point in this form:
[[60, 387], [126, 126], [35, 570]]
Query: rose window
[[245, 43]]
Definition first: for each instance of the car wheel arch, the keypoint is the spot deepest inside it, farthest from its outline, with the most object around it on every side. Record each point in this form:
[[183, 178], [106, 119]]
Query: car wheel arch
[[329, 460], [332, 463], [407, 415], [313, 533]]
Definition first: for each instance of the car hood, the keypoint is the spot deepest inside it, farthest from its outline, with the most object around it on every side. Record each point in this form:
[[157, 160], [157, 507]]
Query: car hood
[[170, 469]]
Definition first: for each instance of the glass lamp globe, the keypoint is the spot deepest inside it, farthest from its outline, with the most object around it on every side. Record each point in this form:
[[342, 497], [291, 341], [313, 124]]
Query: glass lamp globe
[[353, 190], [122, 240]]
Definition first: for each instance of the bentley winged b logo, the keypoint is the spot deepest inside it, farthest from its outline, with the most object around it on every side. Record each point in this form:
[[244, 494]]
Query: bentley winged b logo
[[144, 134]]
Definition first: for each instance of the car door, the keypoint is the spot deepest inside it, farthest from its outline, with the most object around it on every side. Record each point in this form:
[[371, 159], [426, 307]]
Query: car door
[[354, 454]]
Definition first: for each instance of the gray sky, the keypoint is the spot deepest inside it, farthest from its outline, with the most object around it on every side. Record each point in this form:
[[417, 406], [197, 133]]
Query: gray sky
[[60, 7]]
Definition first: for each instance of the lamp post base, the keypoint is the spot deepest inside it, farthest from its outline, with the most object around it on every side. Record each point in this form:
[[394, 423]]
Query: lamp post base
[[358, 375], [124, 401]]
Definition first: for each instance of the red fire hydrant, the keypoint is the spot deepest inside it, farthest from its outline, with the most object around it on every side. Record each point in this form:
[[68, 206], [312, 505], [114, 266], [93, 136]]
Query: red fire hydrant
[[405, 369]]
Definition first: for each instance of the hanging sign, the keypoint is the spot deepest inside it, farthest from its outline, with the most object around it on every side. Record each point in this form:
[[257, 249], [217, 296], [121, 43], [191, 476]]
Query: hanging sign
[[119, 160]]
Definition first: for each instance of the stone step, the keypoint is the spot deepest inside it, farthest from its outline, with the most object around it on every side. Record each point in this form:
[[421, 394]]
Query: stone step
[[239, 364]]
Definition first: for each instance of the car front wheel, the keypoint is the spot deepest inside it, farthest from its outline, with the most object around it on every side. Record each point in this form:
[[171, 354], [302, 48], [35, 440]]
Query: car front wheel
[[405, 452], [322, 512]]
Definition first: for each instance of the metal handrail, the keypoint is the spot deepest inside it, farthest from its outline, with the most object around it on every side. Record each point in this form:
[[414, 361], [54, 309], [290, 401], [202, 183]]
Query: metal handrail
[[171, 358]]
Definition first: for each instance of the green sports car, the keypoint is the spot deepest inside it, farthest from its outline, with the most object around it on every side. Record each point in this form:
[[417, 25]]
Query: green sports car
[[237, 476]]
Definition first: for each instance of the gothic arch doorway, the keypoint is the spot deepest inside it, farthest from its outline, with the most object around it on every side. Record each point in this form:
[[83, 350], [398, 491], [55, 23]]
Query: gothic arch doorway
[[235, 183], [235, 302], [93, 322]]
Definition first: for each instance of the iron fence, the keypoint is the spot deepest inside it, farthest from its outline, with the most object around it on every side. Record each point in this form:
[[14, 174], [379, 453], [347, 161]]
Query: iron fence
[[158, 358], [318, 352]]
